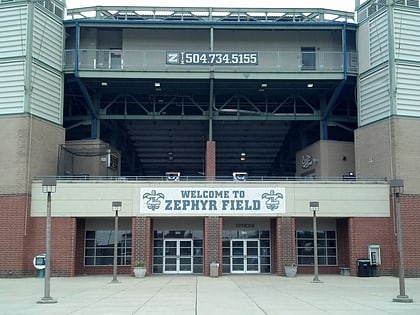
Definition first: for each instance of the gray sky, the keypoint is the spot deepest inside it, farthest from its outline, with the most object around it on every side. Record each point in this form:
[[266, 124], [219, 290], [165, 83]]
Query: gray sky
[[343, 5]]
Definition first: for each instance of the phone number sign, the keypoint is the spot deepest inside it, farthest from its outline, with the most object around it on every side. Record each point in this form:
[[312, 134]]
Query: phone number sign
[[212, 58]]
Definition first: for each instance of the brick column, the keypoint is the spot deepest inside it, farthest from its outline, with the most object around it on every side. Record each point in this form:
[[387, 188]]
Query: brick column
[[213, 228], [142, 238], [80, 245], [283, 243], [210, 159]]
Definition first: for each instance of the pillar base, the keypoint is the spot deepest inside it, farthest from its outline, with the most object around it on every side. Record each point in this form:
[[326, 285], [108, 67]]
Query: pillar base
[[402, 299], [47, 300]]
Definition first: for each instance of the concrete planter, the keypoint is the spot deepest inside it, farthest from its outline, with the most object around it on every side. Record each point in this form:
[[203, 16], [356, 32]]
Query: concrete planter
[[139, 272], [290, 271]]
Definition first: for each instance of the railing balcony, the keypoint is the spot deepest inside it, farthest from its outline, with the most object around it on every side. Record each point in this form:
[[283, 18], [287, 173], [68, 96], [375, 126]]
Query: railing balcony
[[156, 60]]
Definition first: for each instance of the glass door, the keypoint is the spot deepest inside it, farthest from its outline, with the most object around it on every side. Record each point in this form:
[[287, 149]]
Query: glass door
[[178, 256], [244, 255]]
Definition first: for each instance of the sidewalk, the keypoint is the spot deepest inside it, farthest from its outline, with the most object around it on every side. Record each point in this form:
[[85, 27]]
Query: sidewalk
[[189, 295]]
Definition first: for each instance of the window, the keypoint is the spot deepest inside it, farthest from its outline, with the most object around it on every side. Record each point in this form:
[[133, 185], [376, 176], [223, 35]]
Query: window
[[413, 3], [99, 248], [327, 247]]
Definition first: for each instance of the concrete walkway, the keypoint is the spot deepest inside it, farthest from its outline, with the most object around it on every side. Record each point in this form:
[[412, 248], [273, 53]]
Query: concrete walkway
[[231, 295]]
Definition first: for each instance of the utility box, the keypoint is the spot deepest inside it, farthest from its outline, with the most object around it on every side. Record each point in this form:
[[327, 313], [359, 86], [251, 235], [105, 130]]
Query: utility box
[[39, 262], [214, 270]]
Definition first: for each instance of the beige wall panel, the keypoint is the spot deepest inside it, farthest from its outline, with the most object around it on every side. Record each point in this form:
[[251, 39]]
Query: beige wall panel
[[329, 159], [373, 150], [337, 199], [407, 148], [19, 137]]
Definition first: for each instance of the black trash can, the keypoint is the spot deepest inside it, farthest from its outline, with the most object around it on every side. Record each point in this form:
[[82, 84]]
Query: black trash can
[[363, 267]]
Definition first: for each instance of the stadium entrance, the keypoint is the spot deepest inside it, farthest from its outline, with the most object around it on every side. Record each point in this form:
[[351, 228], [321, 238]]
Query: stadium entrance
[[178, 256]]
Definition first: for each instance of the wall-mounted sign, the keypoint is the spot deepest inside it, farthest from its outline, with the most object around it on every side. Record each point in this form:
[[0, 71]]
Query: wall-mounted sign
[[214, 201], [306, 161], [211, 58]]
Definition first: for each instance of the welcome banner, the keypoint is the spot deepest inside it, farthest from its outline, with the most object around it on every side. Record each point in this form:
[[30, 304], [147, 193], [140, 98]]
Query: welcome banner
[[212, 201]]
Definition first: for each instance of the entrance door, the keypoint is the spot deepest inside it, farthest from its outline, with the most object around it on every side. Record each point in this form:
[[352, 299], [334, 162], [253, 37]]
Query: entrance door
[[178, 256], [308, 58], [244, 256]]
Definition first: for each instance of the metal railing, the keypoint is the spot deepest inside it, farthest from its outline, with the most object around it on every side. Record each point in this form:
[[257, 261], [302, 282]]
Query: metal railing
[[155, 60], [344, 178]]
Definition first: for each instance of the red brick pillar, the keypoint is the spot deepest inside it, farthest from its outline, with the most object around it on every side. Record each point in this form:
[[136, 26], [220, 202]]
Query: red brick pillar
[[80, 245], [213, 229], [211, 159], [283, 243], [142, 238]]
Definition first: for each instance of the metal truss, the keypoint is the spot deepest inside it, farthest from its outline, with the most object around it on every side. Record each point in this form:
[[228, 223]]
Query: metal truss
[[211, 14]]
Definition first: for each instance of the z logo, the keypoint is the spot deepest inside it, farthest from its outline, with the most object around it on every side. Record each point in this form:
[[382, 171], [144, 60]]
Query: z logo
[[172, 58]]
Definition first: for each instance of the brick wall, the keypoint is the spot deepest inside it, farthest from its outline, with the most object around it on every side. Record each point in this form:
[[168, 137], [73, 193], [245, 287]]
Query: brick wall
[[15, 211], [366, 231], [410, 219], [213, 228], [63, 244]]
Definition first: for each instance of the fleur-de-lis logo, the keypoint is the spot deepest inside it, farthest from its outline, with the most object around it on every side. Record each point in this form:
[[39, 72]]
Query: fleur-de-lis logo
[[153, 201], [273, 200]]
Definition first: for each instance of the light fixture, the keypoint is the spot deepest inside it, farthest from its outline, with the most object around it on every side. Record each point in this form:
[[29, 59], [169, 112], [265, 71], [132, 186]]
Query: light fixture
[[49, 185], [172, 176], [314, 207], [397, 187], [157, 84], [104, 83], [240, 176], [243, 156], [264, 85], [349, 176], [116, 206], [310, 85]]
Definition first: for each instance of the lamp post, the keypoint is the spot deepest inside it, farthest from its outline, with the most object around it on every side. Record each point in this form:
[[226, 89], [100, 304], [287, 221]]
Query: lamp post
[[397, 187], [116, 206], [48, 186], [314, 207]]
